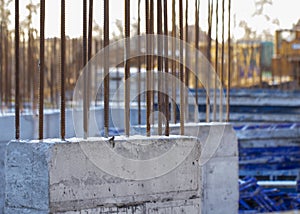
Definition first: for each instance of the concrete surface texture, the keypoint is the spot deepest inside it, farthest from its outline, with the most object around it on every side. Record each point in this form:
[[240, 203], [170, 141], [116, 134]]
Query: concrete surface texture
[[136, 175]]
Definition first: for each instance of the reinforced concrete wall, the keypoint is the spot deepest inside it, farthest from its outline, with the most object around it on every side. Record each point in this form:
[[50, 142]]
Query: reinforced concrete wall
[[98, 176]]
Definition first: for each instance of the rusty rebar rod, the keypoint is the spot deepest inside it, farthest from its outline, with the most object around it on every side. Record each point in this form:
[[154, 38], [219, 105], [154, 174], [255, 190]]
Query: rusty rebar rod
[[174, 73], [139, 64], [159, 65], [216, 62], [187, 59], [42, 66], [229, 65], [222, 63], [210, 16], [62, 72], [106, 67], [166, 50], [85, 75], [197, 3], [181, 74], [148, 74], [152, 59], [127, 68], [17, 72]]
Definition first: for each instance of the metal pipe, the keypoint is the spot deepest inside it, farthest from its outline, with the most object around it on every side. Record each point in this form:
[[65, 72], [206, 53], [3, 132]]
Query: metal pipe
[[17, 72], [127, 68], [42, 66], [181, 74], [62, 72], [166, 49], [106, 67]]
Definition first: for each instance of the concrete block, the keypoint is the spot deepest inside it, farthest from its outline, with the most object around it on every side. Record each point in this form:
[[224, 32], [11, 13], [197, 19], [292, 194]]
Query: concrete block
[[54, 176], [220, 177]]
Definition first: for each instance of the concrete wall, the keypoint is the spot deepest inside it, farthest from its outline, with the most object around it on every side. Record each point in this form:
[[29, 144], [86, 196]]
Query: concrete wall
[[64, 177]]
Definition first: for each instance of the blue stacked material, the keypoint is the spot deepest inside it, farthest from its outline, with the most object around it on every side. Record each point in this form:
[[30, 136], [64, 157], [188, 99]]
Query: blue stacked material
[[254, 198]]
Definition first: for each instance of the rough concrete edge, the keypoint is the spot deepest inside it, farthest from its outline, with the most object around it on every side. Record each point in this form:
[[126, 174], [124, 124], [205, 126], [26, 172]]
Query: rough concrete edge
[[46, 153]]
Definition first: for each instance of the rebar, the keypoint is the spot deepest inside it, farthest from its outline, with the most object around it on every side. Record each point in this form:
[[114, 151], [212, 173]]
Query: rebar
[[85, 75], [62, 72], [148, 77], [106, 67], [181, 74], [159, 65], [127, 68], [139, 64], [229, 65], [17, 72], [187, 58], [166, 50], [210, 16], [197, 5], [216, 63], [173, 61], [222, 63], [42, 69]]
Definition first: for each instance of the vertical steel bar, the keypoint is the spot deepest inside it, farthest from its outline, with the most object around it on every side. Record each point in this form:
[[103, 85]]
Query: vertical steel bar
[[148, 77], [139, 63], [106, 67], [216, 62], [229, 65], [166, 50], [84, 56], [42, 66], [152, 59], [197, 3], [62, 72], [222, 63], [174, 107], [159, 65], [127, 68], [17, 74], [187, 58], [210, 14], [181, 74]]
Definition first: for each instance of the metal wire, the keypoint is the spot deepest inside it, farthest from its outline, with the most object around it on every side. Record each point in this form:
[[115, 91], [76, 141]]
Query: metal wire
[[166, 50], [17, 72], [106, 67], [181, 74], [85, 75], [62, 70], [127, 68], [229, 65], [42, 66]]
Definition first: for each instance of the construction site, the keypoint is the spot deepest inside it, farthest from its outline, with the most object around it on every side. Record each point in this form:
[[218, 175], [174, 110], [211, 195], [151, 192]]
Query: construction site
[[149, 107]]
